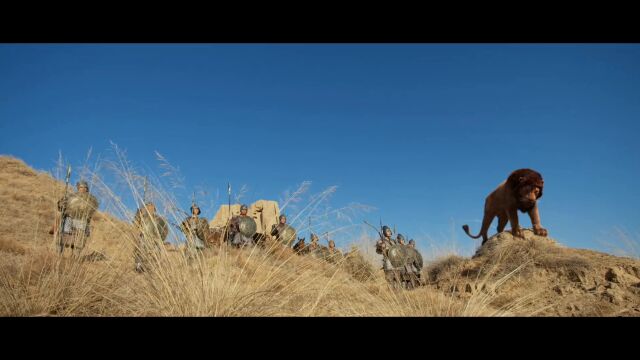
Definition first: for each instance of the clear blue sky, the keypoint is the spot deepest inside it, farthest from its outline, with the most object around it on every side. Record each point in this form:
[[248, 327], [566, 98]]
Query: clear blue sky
[[422, 132]]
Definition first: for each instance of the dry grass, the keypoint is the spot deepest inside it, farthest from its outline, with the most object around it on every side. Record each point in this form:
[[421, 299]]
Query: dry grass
[[270, 281], [538, 271], [12, 246]]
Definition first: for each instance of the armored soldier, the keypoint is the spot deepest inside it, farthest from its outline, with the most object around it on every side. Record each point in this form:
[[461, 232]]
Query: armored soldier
[[412, 243], [332, 247], [242, 228], [75, 221], [382, 247], [152, 231], [412, 267], [400, 239], [316, 250], [314, 242], [283, 232], [334, 255], [196, 230]]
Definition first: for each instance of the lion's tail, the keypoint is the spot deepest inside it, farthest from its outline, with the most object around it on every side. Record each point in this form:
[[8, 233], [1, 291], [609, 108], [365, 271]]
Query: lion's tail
[[466, 229]]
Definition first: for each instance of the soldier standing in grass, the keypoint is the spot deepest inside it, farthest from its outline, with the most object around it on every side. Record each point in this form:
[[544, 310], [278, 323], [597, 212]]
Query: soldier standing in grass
[[242, 228], [196, 230], [283, 232], [314, 248], [152, 231], [75, 219], [314, 242], [333, 254], [411, 271], [382, 247]]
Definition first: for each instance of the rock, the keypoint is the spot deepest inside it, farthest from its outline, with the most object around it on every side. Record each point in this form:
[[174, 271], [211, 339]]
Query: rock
[[612, 275], [614, 296]]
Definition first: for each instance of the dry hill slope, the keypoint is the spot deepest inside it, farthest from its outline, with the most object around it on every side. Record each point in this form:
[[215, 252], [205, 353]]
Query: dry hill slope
[[564, 281], [507, 276], [28, 199]]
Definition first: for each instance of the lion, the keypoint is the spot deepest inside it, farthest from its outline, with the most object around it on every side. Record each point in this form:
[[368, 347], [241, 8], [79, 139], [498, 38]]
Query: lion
[[520, 191]]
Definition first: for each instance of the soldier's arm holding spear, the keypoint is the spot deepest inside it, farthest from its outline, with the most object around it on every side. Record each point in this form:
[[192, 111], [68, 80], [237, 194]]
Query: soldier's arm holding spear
[[62, 206]]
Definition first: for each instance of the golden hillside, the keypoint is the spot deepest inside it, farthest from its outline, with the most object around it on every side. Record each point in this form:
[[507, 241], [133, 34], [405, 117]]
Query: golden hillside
[[563, 281], [535, 276], [29, 199]]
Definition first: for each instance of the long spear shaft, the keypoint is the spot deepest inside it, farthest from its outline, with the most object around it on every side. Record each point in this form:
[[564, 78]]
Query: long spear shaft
[[229, 218], [64, 208], [374, 228]]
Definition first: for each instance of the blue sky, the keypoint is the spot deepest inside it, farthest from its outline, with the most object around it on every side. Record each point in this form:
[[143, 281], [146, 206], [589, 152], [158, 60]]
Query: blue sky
[[422, 132]]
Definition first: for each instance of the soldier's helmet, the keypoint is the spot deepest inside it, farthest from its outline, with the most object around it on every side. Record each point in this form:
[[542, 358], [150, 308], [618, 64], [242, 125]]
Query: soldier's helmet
[[244, 207], [282, 216], [314, 237], [194, 206], [400, 237], [332, 243], [82, 183], [384, 230], [412, 242]]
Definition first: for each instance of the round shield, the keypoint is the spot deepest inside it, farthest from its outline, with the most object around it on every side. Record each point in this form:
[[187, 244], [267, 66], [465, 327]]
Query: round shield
[[287, 234], [415, 256], [199, 226], [247, 226], [81, 205], [155, 228], [202, 229], [397, 255]]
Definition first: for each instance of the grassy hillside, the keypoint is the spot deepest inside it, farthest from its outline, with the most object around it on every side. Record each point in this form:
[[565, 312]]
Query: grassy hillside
[[535, 276]]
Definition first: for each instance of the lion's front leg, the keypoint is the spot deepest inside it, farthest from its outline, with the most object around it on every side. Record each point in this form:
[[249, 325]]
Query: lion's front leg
[[535, 221], [515, 226]]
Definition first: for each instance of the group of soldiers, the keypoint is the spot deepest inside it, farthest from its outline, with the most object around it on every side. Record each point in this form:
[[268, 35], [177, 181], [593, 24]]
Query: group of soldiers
[[240, 232], [314, 249], [402, 263]]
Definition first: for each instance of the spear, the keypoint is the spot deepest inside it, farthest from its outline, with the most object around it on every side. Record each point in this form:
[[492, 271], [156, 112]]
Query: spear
[[64, 208], [229, 218], [374, 228], [229, 193]]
